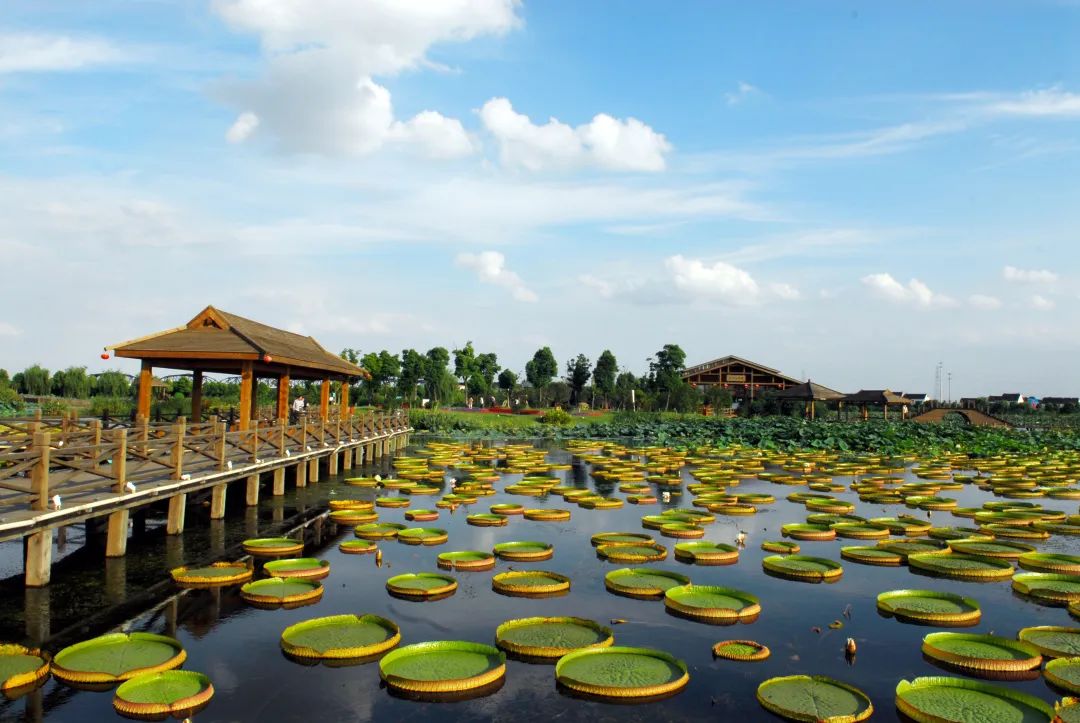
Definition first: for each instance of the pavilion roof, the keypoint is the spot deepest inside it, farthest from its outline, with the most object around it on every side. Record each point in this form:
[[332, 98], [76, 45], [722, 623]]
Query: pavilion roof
[[875, 396], [809, 391], [216, 339]]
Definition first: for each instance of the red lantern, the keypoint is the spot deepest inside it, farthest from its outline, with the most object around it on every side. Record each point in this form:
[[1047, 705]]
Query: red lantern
[[267, 358], [104, 355]]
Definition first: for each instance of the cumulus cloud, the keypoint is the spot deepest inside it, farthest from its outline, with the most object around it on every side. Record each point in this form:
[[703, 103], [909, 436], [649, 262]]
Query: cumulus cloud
[[1029, 276], [915, 292], [1041, 303], [490, 268], [243, 127], [786, 292], [319, 92], [984, 302], [606, 142], [7, 329], [718, 280], [37, 52]]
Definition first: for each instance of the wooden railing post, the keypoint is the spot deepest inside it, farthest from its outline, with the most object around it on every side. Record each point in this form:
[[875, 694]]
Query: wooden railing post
[[322, 432], [179, 430], [39, 476], [95, 427], [282, 428], [221, 429], [303, 434], [254, 440], [119, 459]]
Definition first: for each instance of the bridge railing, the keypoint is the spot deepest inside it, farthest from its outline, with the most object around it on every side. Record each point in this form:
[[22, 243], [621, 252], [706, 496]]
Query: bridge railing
[[94, 461]]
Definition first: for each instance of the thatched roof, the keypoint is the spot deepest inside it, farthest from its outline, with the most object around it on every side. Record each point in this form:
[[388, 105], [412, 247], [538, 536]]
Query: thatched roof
[[227, 339], [808, 391], [875, 396]]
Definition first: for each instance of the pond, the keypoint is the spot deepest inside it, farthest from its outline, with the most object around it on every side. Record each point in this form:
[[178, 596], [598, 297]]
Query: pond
[[238, 645]]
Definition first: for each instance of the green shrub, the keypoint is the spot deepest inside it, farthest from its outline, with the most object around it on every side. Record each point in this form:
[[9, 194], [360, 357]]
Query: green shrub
[[558, 417]]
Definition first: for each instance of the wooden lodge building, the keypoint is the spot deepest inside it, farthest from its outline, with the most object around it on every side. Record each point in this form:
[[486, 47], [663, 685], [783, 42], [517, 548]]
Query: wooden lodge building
[[744, 379]]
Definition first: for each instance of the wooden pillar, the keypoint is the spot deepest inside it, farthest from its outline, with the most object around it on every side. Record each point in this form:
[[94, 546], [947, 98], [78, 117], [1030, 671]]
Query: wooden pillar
[[343, 403], [177, 512], [301, 474], [39, 474], [146, 385], [251, 496], [332, 465], [313, 469], [196, 396], [217, 501], [247, 377], [813, 410], [283, 396], [116, 538], [347, 458], [324, 400], [279, 482], [38, 558]]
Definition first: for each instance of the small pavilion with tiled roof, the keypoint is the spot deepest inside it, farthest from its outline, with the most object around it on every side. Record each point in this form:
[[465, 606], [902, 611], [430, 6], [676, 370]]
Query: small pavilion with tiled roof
[[216, 341], [809, 392], [877, 397]]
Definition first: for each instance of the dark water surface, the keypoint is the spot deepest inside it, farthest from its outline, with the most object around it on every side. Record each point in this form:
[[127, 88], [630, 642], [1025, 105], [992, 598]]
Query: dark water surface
[[238, 646]]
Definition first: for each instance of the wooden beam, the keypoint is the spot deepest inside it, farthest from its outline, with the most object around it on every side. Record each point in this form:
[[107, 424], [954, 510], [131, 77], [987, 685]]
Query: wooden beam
[[146, 383], [283, 396], [39, 558], [247, 376], [343, 402], [324, 400], [117, 535], [196, 396], [254, 396]]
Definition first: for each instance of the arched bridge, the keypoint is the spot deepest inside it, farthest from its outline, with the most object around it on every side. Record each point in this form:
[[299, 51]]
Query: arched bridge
[[973, 417]]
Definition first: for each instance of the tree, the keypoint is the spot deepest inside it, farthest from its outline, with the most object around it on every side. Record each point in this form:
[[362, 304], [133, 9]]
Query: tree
[[438, 382], [665, 371], [483, 378], [412, 369], [34, 380], [5, 380], [350, 355], [604, 376], [508, 382], [114, 384], [540, 370], [577, 376], [464, 362], [626, 384]]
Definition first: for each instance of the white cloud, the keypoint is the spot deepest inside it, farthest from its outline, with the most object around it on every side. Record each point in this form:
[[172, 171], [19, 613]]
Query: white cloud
[[984, 302], [490, 267], [1041, 303], [744, 92], [243, 127], [319, 94], [1048, 102], [606, 142], [786, 292], [915, 292], [7, 329], [1029, 276], [35, 52], [604, 288], [718, 281]]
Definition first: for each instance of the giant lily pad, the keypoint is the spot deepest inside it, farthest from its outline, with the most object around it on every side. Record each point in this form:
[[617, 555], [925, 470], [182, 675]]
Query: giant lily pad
[[963, 567], [217, 574], [276, 591], [156, 696], [1050, 562], [814, 698], [711, 603], [423, 536], [703, 552], [643, 582], [487, 519], [957, 700], [524, 550], [621, 672], [975, 653], [21, 668], [340, 637], [272, 546], [421, 585], [991, 548], [378, 530], [620, 538], [551, 637], [929, 607], [807, 532], [803, 567], [307, 568], [351, 516], [871, 556], [466, 560], [530, 583], [442, 667], [549, 514], [357, 547], [632, 553], [1048, 586], [745, 650], [116, 657], [1053, 641]]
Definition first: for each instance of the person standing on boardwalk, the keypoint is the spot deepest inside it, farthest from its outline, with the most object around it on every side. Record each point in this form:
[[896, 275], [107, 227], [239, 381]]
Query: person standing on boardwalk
[[298, 406]]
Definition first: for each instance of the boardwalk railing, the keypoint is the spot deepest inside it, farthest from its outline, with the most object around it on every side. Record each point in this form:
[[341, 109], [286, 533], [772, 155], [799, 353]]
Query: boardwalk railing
[[77, 458]]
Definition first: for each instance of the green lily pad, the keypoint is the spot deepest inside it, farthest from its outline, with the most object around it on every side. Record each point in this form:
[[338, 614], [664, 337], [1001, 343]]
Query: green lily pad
[[619, 538], [466, 560], [524, 550], [622, 672], [551, 637], [957, 700], [704, 552], [340, 637], [117, 656], [421, 584], [803, 567], [378, 530], [1050, 562], [176, 693], [966, 567], [1053, 641], [305, 567], [712, 603], [975, 652], [814, 698], [871, 556], [643, 581], [929, 607], [442, 667], [991, 548]]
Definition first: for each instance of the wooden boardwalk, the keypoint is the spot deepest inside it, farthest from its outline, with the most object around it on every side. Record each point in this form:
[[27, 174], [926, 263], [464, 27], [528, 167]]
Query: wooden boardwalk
[[61, 472]]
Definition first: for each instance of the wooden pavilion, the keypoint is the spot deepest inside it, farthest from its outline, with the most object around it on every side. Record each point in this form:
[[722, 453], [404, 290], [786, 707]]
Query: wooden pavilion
[[744, 379], [877, 397], [809, 392], [216, 341]]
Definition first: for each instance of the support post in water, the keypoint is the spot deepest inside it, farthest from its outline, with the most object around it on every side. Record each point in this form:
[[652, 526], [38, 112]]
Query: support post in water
[[177, 512]]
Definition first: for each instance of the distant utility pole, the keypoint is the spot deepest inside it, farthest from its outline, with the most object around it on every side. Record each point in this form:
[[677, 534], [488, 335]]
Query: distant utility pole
[[937, 382], [950, 387]]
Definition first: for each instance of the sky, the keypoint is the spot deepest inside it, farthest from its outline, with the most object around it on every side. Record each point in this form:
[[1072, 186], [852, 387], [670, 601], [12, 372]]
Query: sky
[[849, 192]]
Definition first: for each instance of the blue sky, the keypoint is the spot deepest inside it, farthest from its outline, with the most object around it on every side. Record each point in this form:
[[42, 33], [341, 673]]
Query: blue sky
[[851, 192]]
